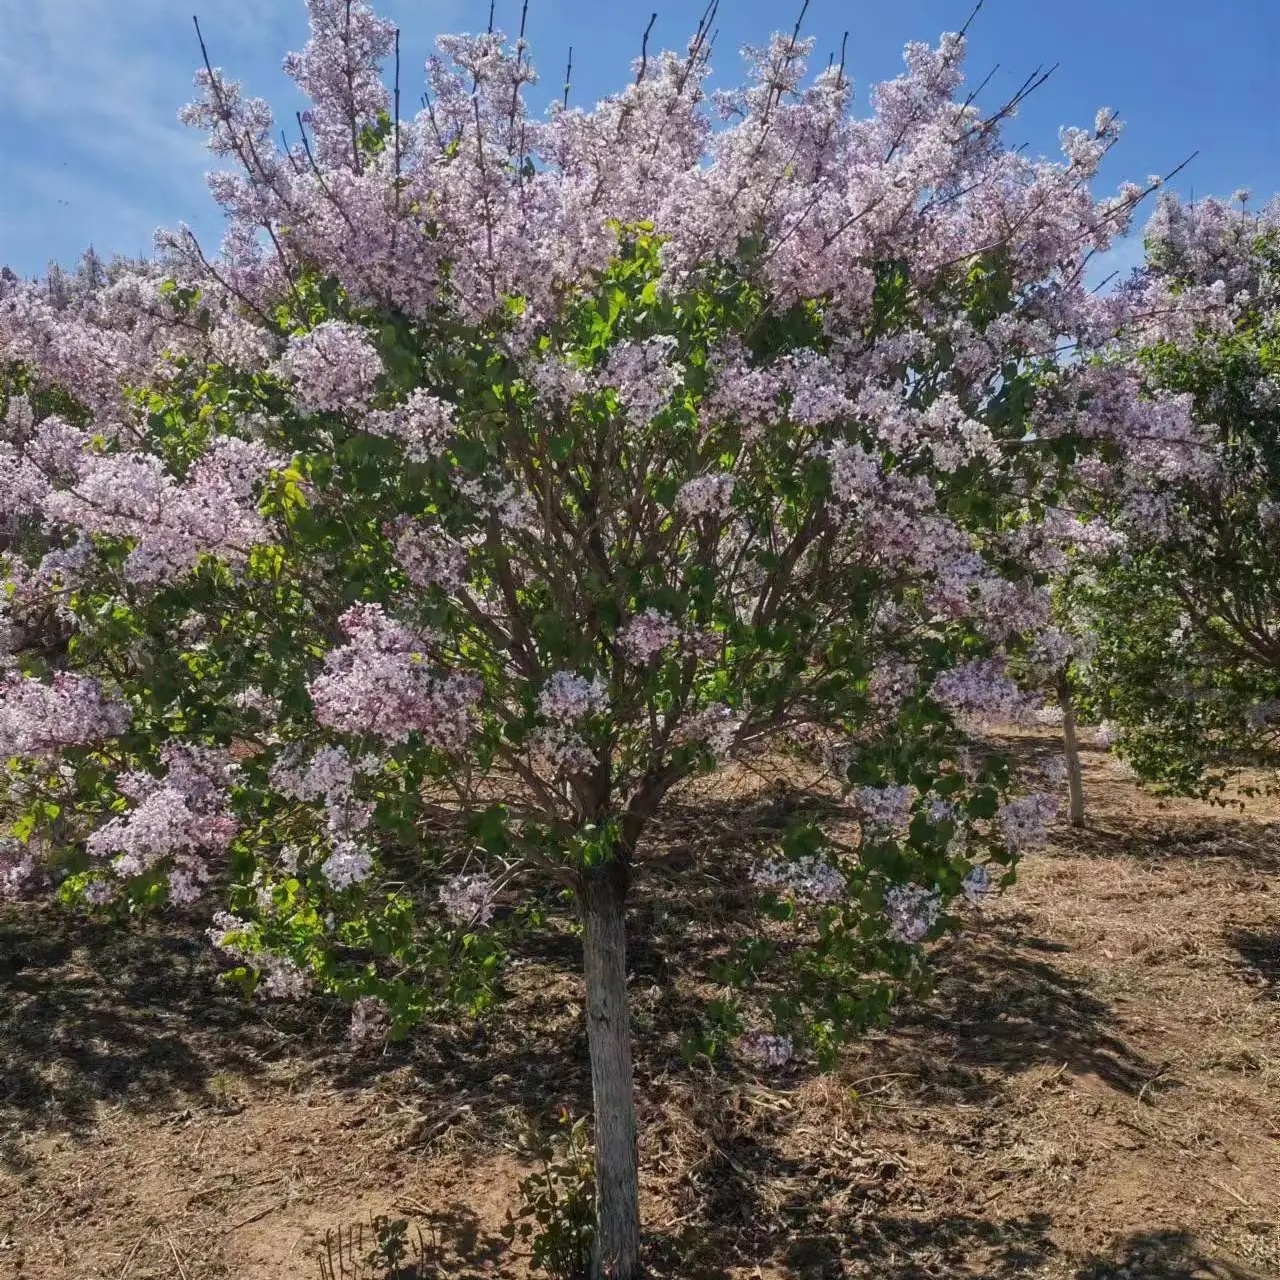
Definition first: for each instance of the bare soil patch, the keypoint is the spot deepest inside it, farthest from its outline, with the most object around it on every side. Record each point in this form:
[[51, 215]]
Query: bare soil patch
[[1092, 1092]]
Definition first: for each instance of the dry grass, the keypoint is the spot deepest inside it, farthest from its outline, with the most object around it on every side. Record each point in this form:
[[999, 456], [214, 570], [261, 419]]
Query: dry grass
[[1092, 1092]]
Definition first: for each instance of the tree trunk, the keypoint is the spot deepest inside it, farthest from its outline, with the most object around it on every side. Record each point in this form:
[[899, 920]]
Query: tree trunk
[[1075, 782], [617, 1249]]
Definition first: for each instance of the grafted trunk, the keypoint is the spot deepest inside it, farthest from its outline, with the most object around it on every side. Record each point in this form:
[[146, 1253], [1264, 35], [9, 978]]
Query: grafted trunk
[[1075, 780], [617, 1250]]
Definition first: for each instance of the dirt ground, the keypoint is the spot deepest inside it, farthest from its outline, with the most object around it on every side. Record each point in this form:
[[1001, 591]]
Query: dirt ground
[[1092, 1092]]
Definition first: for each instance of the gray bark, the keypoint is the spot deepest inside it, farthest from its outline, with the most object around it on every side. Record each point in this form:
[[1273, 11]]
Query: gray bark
[[617, 1248], [1075, 780]]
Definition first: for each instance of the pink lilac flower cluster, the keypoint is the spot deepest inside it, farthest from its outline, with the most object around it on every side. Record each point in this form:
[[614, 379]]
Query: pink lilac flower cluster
[[348, 863], [129, 495], [17, 868], [978, 884], [338, 72], [1024, 821], [764, 1049], [380, 683], [892, 682], [1104, 735], [642, 375], [1053, 649], [334, 367], [330, 777], [646, 635], [716, 726], [983, 691], [556, 751], [39, 719], [568, 697], [1054, 770], [911, 911], [886, 811], [468, 899], [706, 495], [422, 424], [181, 820], [428, 555], [504, 500], [279, 976], [808, 877]]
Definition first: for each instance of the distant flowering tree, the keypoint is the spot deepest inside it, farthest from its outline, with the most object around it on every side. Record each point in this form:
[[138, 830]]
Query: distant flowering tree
[[1183, 615], [530, 467]]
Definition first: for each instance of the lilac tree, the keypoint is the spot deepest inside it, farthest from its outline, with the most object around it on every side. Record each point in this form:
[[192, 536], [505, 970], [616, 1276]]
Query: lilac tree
[[528, 467], [1183, 614]]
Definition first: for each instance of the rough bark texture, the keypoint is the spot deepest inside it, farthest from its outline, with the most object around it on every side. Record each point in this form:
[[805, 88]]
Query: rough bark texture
[[609, 1040], [1075, 782]]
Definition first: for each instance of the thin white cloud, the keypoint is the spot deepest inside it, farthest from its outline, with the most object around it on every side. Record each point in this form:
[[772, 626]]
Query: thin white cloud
[[89, 94], [109, 77]]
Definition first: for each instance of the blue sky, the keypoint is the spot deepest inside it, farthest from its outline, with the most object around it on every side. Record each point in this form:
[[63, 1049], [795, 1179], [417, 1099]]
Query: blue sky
[[91, 149]]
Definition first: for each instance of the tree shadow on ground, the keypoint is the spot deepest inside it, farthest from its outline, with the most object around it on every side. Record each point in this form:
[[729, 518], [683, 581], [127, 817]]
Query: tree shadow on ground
[[95, 1013], [1259, 953], [1246, 842], [1165, 1255], [1001, 1007], [98, 1013], [819, 1218]]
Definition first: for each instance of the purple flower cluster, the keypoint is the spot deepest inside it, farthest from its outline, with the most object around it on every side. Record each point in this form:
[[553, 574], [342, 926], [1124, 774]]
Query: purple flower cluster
[[468, 899], [647, 635], [333, 368], [17, 868], [706, 495], [179, 821], [765, 1050], [569, 697], [886, 811], [129, 495], [1024, 821], [422, 424], [978, 884], [642, 376], [380, 683], [911, 911], [982, 690], [892, 682], [428, 555], [340, 72], [38, 719], [716, 726], [349, 863], [330, 777], [279, 976], [808, 877]]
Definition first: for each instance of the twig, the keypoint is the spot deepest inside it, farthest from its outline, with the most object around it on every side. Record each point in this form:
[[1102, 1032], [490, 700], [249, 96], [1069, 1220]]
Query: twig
[[173, 1249], [644, 48], [133, 1253], [1235, 1195], [254, 1217], [964, 31]]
